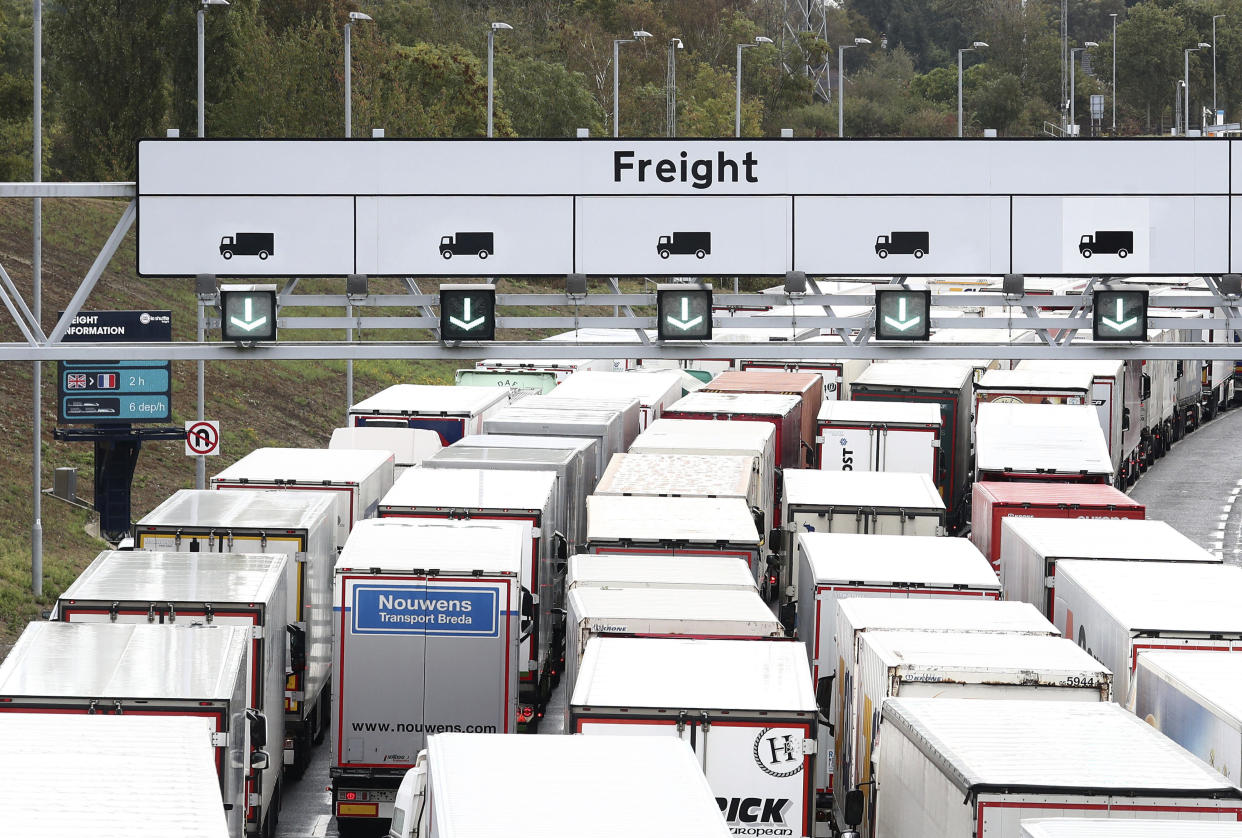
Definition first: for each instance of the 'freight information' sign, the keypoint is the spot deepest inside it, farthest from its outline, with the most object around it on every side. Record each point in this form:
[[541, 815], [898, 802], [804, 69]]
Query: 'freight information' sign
[[440, 611]]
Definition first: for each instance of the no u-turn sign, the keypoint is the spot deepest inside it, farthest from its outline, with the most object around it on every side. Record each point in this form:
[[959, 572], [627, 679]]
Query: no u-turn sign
[[202, 439]]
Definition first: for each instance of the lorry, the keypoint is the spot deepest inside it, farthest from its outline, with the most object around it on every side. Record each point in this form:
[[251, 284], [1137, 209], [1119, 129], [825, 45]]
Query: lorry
[[1120, 243], [1025, 385], [1192, 698], [1127, 828], [1032, 547], [1104, 763], [409, 446], [685, 475], [262, 245], [905, 243], [530, 497], [838, 375], [879, 436], [450, 411], [1029, 442], [195, 672], [1116, 610], [612, 425], [655, 389], [834, 566], [430, 617], [525, 377], [605, 570], [357, 479], [993, 502], [808, 386], [463, 785], [63, 770], [948, 385], [468, 244], [298, 525], [210, 589], [684, 244], [947, 664], [746, 707]]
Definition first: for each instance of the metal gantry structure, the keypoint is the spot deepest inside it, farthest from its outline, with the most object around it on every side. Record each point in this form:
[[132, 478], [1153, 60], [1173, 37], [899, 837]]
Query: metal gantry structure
[[808, 17]]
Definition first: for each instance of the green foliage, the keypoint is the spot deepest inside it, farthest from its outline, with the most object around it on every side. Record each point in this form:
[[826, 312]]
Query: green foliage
[[1152, 61]]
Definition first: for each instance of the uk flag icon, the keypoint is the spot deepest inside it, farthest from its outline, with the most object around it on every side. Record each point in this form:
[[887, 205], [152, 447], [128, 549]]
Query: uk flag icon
[[75, 381]]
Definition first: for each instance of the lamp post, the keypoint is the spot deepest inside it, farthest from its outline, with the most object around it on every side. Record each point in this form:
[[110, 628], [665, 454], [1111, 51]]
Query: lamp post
[[491, 42], [1114, 17], [670, 88], [737, 109], [841, 82], [1073, 117], [1186, 81], [1214, 19], [202, 11], [349, 73], [639, 34], [974, 46]]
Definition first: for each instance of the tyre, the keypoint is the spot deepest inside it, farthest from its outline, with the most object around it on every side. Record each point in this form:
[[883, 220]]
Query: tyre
[[483, 254], [447, 254], [1086, 253], [883, 254], [263, 254], [918, 254], [227, 254], [663, 253], [1123, 253], [700, 253]]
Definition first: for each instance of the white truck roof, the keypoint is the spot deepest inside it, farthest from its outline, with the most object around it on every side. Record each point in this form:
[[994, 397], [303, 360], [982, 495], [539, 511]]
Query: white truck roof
[[606, 786], [1061, 438], [1025, 378], [404, 544], [1214, 677], [693, 475], [648, 386], [306, 465], [471, 487], [1127, 828], [620, 517], [1100, 368], [1100, 747], [125, 660], [763, 404], [951, 375], [1050, 660], [70, 774], [906, 559], [409, 446], [1106, 538], [619, 604], [648, 571], [433, 399], [704, 434], [925, 614], [129, 575], [1163, 596], [574, 443], [242, 509], [902, 413], [883, 489], [695, 673]]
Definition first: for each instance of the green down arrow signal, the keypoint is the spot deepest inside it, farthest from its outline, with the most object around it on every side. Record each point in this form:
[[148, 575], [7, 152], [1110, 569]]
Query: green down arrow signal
[[248, 324], [1119, 324], [686, 322], [466, 324], [901, 324]]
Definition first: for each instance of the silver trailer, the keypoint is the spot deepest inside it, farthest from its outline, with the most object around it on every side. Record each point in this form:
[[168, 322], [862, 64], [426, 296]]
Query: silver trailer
[[450, 411], [110, 776], [628, 571], [222, 589], [655, 390], [196, 672], [299, 525], [535, 416], [430, 616]]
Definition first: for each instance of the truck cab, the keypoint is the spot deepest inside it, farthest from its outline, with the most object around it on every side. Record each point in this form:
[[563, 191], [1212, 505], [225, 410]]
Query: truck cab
[[408, 813]]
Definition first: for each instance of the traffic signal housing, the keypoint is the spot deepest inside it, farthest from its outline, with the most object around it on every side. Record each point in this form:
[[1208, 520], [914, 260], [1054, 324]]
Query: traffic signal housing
[[467, 312], [902, 314], [248, 313], [1119, 314], [684, 311]]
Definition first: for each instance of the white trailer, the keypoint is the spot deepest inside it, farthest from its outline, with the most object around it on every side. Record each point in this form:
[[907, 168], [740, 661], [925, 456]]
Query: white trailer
[[1058, 385], [654, 612], [976, 767], [430, 617], [747, 708], [525, 377], [1193, 698], [358, 478], [879, 436], [1031, 548], [1040, 442], [450, 411], [1115, 610], [627, 571], [1108, 396], [656, 390], [298, 525], [409, 446], [833, 566], [685, 475], [1127, 828], [530, 497], [110, 776], [877, 503], [944, 664], [586, 448], [219, 589], [606, 786]]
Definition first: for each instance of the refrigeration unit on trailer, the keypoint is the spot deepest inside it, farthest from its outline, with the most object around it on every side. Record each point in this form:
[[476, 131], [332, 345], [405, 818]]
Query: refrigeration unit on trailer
[[1029, 442], [747, 708], [210, 589], [529, 497], [604, 570], [1116, 610], [299, 525], [203, 672], [686, 475], [1158, 827], [808, 386], [525, 377], [450, 411], [978, 767], [918, 664], [655, 390], [833, 566], [838, 375], [357, 478], [1194, 699], [947, 385], [430, 616], [1109, 396], [1024, 385], [409, 446], [1032, 547], [464, 787], [880, 436], [535, 417], [656, 612], [73, 775], [992, 502]]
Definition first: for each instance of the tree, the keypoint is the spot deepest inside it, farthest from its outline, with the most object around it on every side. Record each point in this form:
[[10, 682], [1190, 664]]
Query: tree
[[545, 100], [1151, 63], [16, 93]]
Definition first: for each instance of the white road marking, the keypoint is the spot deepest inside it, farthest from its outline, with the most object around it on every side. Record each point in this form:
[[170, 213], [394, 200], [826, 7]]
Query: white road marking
[[320, 828]]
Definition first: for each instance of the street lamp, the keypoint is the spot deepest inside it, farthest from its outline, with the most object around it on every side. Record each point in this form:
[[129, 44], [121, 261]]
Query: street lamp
[[1214, 19], [737, 113], [1114, 17], [841, 82], [202, 11], [639, 34], [491, 40], [1086, 45], [1186, 80], [349, 73], [670, 88], [974, 46]]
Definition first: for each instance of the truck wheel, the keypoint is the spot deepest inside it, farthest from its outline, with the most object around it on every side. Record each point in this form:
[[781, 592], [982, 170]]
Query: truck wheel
[[918, 254], [1086, 252], [482, 254], [447, 254], [700, 253], [883, 254], [227, 254], [263, 254], [663, 254], [1123, 253]]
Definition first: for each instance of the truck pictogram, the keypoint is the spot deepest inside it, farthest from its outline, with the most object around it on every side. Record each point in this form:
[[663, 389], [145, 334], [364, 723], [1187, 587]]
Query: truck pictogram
[[684, 244], [468, 244], [902, 243], [1118, 242], [262, 245]]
